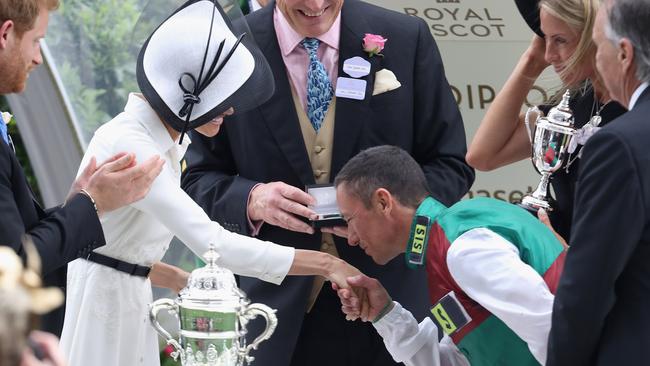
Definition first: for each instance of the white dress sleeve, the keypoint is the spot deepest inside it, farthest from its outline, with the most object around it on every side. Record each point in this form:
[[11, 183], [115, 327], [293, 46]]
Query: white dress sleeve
[[184, 218], [416, 344], [488, 269]]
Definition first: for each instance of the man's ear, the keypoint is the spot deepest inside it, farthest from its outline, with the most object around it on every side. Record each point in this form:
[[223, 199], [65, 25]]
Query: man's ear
[[6, 30], [383, 200], [626, 56]]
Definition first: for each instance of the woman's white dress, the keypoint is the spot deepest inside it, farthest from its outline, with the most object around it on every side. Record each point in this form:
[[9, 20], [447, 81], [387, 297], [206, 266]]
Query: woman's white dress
[[106, 318]]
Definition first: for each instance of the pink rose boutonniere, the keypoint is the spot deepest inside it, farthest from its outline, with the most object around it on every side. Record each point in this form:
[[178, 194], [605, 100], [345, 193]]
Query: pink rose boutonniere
[[374, 44]]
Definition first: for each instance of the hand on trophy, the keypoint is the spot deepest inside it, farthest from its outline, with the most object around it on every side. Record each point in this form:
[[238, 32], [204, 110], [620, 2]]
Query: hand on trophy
[[543, 217], [168, 276], [550, 141]]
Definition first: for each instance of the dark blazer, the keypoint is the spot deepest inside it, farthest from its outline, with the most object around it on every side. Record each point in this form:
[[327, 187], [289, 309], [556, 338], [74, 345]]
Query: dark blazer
[[600, 314], [266, 145], [60, 235]]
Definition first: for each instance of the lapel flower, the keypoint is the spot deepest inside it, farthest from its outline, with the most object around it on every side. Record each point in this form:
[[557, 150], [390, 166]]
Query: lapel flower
[[581, 136], [373, 44], [6, 117]]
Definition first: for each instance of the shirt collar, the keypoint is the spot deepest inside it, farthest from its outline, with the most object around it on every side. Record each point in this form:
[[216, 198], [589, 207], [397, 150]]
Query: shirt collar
[[637, 94], [416, 247], [138, 108], [289, 39]]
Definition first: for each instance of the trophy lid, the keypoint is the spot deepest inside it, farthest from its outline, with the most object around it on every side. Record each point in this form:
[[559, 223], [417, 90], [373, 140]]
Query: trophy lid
[[562, 114], [212, 282]]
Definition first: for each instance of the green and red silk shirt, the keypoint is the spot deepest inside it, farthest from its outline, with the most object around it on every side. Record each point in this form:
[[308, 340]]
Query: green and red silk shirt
[[485, 340]]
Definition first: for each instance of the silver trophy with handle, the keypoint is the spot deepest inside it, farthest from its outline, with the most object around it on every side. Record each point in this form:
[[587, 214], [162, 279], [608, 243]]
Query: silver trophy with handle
[[550, 142], [213, 313]]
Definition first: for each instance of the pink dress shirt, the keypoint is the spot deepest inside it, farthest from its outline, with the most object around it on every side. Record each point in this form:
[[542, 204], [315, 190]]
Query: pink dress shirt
[[296, 59], [296, 62]]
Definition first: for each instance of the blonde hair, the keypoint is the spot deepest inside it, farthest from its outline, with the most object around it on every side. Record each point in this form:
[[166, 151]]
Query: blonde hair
[[24, 12], [579, 15]]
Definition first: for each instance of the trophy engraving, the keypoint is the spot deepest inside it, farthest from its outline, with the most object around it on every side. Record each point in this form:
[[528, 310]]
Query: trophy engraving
[[550, 144], [213, 313]]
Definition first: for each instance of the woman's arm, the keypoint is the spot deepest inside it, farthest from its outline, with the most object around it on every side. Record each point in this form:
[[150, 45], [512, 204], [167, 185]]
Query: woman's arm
[[168, 276], [314, 263], [501, 138]]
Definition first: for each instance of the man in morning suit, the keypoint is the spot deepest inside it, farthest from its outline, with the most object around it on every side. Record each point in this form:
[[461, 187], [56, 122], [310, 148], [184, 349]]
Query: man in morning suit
[[251, 178], [61, 234], [600, 314]]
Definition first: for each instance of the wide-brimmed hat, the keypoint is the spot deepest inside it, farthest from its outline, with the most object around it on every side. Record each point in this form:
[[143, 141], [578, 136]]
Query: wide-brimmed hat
[[197, 64], [529, 9]]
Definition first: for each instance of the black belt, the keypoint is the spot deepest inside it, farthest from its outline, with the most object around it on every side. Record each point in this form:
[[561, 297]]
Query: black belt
[[122, 266]]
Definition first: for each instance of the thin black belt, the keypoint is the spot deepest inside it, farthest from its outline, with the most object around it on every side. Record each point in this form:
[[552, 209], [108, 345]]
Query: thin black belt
[[122, 266]]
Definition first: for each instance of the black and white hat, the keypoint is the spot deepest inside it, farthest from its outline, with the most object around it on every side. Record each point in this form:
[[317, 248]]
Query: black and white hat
[[196, 65], [529, 9]]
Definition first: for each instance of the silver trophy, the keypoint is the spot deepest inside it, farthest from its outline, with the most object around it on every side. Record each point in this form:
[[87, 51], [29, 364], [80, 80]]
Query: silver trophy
[[213, 313], [550, 143]]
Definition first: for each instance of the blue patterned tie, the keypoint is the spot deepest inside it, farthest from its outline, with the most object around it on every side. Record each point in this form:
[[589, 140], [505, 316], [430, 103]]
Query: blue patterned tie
[[319, 87], [3, 132]]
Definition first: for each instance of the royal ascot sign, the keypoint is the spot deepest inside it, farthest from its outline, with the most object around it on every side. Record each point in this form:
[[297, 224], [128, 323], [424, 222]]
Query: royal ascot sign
[[454, 21], [480, 42]]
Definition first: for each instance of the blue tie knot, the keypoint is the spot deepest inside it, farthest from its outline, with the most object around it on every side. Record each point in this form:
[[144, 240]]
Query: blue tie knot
[[311, 45]]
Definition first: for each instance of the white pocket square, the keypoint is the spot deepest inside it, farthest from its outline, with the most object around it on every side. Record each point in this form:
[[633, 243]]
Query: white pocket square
[[385, 81]]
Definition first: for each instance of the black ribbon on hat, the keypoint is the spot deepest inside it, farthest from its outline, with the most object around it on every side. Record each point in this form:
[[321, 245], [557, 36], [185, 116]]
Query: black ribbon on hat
[[191, 94]]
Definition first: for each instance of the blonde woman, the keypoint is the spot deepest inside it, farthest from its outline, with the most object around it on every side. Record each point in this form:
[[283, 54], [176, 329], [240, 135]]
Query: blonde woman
[[567, 46]]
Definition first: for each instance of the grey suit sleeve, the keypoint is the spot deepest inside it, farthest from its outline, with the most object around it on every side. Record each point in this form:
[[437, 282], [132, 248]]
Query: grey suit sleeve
[[440, 143], [608, 219]]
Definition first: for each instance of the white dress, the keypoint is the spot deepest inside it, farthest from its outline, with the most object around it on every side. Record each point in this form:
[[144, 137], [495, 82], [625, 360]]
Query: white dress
[[106, 318]]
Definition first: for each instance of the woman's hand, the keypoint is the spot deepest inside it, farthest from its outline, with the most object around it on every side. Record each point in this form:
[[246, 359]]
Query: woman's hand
[[168, 276], [378, 302], [543, 217], [338, 274], [535, 61]]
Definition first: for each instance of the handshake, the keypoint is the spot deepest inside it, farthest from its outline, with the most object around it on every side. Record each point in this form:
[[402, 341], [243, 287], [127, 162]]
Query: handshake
[[361, 296]]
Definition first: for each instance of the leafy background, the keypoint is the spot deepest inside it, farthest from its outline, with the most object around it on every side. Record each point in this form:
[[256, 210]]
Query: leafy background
[[95, 53]]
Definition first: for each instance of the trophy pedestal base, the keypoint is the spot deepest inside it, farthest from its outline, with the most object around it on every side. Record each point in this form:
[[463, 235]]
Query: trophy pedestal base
[[532, 205]]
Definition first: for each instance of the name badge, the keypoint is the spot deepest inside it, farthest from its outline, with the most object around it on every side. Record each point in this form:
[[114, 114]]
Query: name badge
[[350, 88], [356, 67], [450, 315]]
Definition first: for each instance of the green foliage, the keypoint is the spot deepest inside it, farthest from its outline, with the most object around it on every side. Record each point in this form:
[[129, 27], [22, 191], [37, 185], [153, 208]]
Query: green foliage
[[95, 51]]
